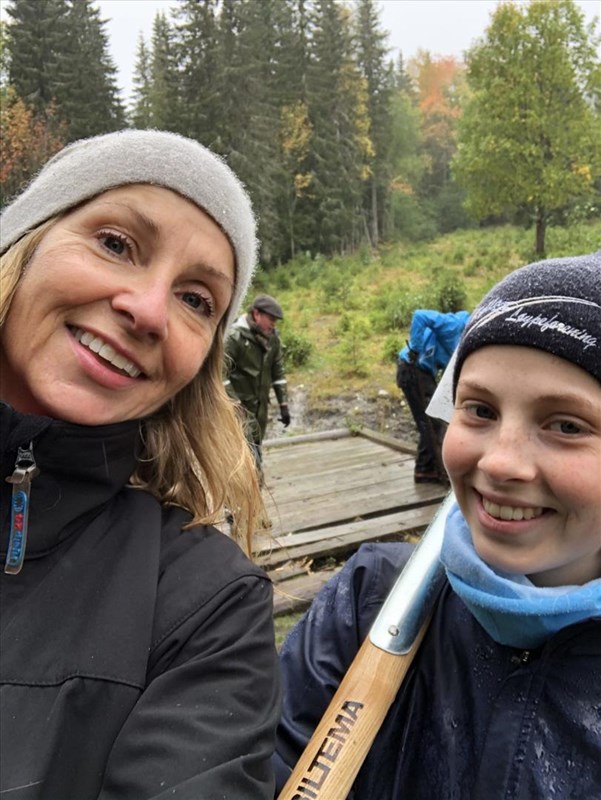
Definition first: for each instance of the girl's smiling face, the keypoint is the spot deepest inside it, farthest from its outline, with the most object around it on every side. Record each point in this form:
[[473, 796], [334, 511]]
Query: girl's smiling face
[[118, 308], [523, 451]]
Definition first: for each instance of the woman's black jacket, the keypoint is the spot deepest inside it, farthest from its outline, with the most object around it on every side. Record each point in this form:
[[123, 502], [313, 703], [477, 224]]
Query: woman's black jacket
[[136, 658]]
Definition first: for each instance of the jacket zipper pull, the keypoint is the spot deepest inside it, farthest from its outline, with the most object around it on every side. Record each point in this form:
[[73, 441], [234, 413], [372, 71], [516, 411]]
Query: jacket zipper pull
[[25, 471], [521, 658]]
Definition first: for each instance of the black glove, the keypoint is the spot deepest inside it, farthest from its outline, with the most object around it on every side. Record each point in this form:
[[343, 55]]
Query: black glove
[[284, 415], [412, 355]]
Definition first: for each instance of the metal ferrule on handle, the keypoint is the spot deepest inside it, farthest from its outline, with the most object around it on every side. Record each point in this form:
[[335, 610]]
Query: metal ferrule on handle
[[412, 597]]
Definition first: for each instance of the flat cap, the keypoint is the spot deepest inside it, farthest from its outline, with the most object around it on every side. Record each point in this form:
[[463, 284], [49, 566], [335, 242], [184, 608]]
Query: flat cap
[[268, 304]]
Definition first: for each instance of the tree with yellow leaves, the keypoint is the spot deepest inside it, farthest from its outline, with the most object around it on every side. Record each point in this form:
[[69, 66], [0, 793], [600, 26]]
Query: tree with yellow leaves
[[27, 140]]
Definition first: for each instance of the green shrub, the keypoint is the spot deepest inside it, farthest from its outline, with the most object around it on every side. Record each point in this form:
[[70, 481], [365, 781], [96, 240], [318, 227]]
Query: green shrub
[[392, 344], [281, 280], [262, 283], [473, 267], [344, 324], [307, 270], [365, 254], [338, 290], [297, 349], [458, 255], [352, 348], [395, 307], [449, 293]]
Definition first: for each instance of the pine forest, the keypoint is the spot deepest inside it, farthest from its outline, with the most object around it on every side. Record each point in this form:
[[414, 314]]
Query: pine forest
[[341, 146]]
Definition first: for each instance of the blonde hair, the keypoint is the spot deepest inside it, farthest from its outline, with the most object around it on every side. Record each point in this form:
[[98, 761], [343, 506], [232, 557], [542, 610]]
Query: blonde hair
[[14, 262], [194, 453]]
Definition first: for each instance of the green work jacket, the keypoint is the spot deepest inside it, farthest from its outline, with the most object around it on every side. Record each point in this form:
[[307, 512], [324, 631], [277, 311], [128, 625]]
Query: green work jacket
[[251, 369]]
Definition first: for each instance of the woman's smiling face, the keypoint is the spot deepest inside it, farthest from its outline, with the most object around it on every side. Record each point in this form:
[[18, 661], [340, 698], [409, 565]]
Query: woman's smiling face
[[523, 451], [117, 309]]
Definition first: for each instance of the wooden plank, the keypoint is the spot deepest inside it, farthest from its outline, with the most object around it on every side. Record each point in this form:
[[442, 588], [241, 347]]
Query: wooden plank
[[319, 459], [314, 456], [291, 569], [288, 490], [326, 439], [315, 512], [359, 468], [297, 594], [341, 444], [314, 481], [296, 538], [316, 469], [339, 484], [402, 516], [326, 495], [317, 436], [388, 441], [340, 540], [310, 481], [368, 501]]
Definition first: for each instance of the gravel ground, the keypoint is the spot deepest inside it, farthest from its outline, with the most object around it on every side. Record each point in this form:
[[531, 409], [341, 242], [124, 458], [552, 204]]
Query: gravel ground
[[385, 413]]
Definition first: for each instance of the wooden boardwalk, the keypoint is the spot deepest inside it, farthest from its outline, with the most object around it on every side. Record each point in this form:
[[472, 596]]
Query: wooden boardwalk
[[327, 493]]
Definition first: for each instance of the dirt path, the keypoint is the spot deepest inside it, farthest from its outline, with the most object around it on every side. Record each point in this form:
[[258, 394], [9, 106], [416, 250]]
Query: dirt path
[[386, 413]]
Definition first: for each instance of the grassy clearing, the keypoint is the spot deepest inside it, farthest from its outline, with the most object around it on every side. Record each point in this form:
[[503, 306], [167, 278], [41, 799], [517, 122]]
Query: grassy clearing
[[283, 624], [346, 317]]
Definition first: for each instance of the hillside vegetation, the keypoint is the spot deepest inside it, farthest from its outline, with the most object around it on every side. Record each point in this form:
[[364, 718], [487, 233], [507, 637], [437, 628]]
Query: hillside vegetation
[[346, 317]]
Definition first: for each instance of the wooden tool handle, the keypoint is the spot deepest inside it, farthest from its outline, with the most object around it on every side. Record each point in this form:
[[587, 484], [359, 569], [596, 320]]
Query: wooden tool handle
[[331, 760]]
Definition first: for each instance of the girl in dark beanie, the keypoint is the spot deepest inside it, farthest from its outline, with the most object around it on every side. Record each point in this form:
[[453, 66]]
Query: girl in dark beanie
[[503, 700]]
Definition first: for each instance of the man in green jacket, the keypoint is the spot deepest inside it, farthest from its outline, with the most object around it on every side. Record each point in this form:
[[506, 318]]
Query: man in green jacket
[[254, 364]]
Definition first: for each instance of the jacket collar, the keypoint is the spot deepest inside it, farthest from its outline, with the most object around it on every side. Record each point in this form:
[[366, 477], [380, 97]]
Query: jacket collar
[[242, 324], [81, 469]]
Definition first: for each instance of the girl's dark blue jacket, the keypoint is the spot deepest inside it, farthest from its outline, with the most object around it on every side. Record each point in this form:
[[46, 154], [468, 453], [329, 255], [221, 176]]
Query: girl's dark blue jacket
[[473, 720]]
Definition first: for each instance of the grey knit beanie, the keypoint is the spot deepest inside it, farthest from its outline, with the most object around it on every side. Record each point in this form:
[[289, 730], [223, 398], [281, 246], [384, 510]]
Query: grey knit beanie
[[89, 167], [550, 305]]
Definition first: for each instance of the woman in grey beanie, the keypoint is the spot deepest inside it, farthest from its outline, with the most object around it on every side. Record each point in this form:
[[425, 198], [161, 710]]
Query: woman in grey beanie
[[123, 263]]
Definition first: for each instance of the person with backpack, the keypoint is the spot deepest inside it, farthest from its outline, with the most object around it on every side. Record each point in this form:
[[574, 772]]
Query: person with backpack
[[433, 337]]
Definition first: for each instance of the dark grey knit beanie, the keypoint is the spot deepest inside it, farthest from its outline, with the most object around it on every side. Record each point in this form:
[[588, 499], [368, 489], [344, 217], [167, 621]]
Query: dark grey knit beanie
[[550, 305], [89, 167]]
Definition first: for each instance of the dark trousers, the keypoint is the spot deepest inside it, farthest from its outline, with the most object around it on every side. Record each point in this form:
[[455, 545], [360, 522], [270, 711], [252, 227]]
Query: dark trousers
[[418, 387], [255, 437]]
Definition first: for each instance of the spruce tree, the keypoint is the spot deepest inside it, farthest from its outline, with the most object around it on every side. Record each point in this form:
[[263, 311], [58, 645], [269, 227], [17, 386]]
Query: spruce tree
[[3, 61], [141, 112], [164, 79], [36, 37], [200, 70], [257, 154], [90, 98], [295, 128], [59, 59], [373, 64], [341, 145]]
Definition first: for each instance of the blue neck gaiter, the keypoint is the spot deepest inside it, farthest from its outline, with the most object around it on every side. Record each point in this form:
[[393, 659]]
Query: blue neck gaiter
[[511, 609]]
